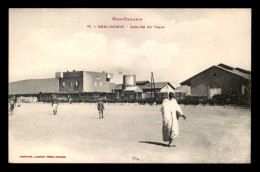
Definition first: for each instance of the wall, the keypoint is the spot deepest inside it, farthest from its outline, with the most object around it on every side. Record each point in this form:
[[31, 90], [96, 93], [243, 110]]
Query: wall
[[129, 80], [167, 88], [199, 90], [70, 85], [75, 74], [67, 84], [95, 82], [183, 89]]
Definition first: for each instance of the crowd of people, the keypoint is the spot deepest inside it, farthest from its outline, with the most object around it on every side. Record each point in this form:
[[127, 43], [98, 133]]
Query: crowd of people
[[22, 99]]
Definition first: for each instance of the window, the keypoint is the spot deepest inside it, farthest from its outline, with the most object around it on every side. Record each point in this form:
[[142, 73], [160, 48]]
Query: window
[[77, 83], [100, 83], [244, 89], [214, 91], [95, 83], [63, 84]]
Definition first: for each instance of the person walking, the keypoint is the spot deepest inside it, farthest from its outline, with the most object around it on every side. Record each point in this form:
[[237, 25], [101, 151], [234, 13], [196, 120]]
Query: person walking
[[54, 104], [171, 112], [100, 107]]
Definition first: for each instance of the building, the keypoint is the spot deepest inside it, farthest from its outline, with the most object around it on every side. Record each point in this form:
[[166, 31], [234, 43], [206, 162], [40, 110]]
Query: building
[[161, 88], [79, 85], [182, 91], [84, 81], [220, 80], [128, 90], [90, 86], [140, 90], [85, 85]]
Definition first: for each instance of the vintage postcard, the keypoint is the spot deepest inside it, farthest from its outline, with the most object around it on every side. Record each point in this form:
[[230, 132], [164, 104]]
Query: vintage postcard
[[113, 85]]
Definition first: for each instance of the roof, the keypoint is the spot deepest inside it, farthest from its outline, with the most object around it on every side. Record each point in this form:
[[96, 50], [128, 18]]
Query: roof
[[118, 87], [225, 66], [157, 85], [142, 82], [243, 70], [237, 71], [34, 86], [135, 89]]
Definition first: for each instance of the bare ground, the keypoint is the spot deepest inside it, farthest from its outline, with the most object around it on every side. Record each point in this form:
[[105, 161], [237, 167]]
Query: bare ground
[[128, 134]]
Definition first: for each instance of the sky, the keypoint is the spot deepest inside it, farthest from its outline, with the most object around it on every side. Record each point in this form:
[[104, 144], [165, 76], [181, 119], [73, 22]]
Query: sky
[[45, 41]]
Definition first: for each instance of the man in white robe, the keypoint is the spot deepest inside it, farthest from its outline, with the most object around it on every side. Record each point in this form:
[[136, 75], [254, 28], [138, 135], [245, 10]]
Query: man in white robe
[[171, 112]]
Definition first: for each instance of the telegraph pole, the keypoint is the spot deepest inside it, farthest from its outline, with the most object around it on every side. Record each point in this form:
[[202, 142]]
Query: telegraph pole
[[152, 86]]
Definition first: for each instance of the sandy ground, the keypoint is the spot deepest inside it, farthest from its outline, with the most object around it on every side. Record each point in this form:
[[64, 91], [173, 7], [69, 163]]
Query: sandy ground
[[128, 134]]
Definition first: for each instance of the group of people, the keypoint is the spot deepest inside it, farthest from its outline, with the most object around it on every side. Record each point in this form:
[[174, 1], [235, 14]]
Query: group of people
[[170, 109], [55, 103], [22, 99]]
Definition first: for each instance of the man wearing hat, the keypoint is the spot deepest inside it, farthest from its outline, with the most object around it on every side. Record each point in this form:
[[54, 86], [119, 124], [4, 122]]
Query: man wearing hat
[[171, 112]]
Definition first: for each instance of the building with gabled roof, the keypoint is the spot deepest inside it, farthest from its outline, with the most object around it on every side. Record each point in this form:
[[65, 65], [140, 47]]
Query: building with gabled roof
[[159, 87], [220, 79]]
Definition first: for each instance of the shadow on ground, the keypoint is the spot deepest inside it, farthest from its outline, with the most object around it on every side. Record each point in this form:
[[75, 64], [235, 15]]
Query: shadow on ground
[[156, 143]]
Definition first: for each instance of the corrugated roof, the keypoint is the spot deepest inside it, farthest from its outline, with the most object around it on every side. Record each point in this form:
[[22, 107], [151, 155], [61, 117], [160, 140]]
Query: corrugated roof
[[237, 72], [225, 66], [243, 70], [34, 86]]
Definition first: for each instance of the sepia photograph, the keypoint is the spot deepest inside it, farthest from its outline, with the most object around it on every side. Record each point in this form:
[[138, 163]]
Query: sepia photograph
[[129, 85]]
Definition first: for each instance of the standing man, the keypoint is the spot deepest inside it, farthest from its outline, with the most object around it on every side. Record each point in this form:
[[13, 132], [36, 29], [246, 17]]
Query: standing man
[[54, 104], [70, 100], [171, 112], [12, 104], [100, 107], [15, 100]]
